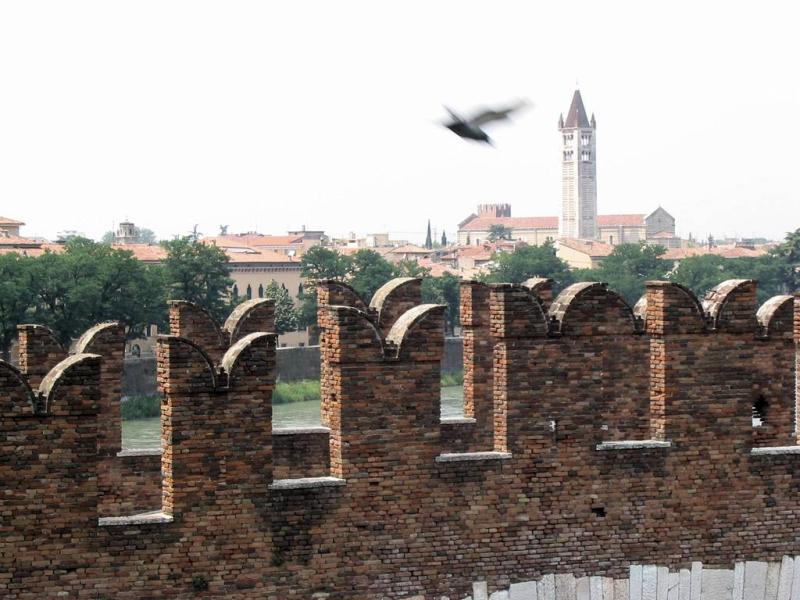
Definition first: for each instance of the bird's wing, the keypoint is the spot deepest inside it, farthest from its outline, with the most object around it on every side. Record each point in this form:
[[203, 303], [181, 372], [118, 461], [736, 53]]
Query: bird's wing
[[489, 115], [453, 115]]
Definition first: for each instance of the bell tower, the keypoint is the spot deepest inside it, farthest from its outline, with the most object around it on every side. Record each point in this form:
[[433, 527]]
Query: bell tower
[[578, 173]]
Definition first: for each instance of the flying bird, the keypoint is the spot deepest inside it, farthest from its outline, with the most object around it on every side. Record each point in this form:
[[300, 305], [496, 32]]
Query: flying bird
[[470, 128]]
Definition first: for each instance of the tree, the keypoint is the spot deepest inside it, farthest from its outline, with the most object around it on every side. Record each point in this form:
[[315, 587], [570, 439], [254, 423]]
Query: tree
[[428, 238], [16, 296], [285, 312], [499, 232], [198, 273], [143, 236], [444, 290], [444, 239], [411, 268], [628, 267], [530, 261], [369, 272], [701, 273], [788, 253], [88, 283], [317, 264]]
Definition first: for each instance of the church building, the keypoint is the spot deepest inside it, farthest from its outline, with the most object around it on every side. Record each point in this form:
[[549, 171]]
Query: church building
[[579, 219]]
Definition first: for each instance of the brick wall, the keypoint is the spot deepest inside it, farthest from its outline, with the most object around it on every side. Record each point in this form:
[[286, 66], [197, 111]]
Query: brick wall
[[615, 438]]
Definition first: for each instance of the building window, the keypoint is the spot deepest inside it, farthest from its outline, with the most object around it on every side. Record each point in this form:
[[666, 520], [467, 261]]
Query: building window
[[235, 292], [249, 292], [586, 139], [586, 155], [260, 290]]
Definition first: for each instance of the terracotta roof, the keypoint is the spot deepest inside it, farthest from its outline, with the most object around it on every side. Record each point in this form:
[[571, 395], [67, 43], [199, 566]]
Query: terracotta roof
[[144, 252], [409, 249], [723, 251], [576, 117], [594, 249], [255, 255], [245, 240], [7, 221], [617, 220], [484, 223], [17, 241]]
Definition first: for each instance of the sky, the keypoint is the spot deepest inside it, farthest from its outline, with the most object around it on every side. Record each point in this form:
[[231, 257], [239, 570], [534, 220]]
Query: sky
[[270, 116]]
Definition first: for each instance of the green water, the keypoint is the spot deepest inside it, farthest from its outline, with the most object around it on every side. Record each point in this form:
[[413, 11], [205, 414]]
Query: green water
[[146, 433]]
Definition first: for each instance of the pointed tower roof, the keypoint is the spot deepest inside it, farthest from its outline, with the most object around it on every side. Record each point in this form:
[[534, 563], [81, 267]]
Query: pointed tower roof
[[577, 113]]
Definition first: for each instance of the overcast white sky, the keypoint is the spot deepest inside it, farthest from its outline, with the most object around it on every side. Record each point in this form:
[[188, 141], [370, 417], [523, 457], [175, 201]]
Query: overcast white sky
[[271, 115]]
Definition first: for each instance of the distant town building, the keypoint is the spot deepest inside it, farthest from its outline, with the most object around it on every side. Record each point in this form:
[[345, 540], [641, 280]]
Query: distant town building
[[578, 173], [126, 233], [579, 223], [10, 227]]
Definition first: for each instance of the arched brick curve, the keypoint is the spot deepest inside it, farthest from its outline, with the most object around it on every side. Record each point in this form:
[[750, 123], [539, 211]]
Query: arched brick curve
[[17, 396], [776, 315], [246, 310], [590, 308]]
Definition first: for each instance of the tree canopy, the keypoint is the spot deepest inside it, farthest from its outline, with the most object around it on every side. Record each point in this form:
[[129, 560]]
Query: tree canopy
[[198, 273], [285, 312], [499, 232], [530, 261]]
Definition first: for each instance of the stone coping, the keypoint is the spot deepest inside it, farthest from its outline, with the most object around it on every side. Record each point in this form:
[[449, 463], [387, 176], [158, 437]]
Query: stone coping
[[633, 445], [146, 518], [773, 450], [307, 483], [472, 456], [139, 452], [300, 430], [457, 421]]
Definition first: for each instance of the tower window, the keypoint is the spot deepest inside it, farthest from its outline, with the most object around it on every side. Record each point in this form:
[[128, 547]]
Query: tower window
[[586, 139], [585, 155]]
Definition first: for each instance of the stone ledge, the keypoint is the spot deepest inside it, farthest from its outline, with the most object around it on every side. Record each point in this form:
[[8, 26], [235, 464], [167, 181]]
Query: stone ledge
[[633, 445], [472, 456], [307, 483], [139, 452], [300, 430], [458, 421], [147, 518], [774, 450]]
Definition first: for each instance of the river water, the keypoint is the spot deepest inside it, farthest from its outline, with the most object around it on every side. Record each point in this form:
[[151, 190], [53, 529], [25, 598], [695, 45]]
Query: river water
[[143, 434]]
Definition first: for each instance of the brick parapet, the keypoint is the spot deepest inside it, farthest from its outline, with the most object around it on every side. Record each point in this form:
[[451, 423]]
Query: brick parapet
[[39, 351], [415, 511], [478, 351]]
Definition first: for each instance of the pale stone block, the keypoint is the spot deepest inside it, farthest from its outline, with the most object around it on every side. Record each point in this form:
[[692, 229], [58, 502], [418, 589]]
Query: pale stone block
[[673, 580], [796, 579], [622, 589], [547, 588], [608, 588], [663, 583], [684, 585], [738, 581], [525, 590], [582, 589], [635, 582], [696, 577], [565, 586], [773, 576], [649, 582], [480, 590], [755, 580], [785, 580], [595, 587], [716, 584], [500, 595]]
